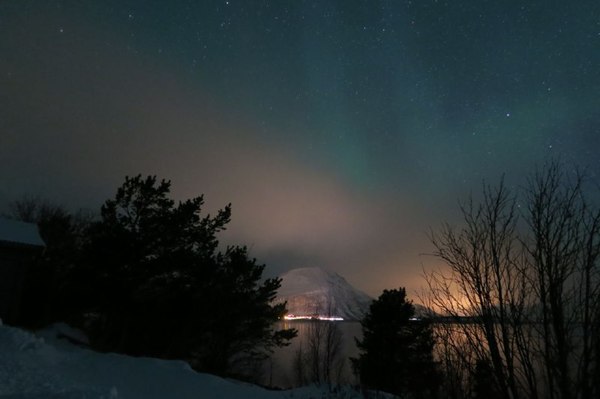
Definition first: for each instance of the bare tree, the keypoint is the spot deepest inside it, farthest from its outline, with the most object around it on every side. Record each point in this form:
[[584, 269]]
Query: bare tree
[[319, 357], [26, 209], [484, 283], [529, 285], [299, 366], [563, 250]]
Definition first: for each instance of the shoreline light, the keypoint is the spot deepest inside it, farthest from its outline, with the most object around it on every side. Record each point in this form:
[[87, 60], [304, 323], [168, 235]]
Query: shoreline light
[[312, 317]]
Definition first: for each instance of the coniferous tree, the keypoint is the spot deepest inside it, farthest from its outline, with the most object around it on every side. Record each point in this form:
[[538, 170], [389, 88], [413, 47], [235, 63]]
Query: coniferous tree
[[158, 286], [396, 353]]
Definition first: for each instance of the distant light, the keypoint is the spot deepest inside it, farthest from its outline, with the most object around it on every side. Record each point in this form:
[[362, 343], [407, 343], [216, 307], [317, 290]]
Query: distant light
[[312, 317]]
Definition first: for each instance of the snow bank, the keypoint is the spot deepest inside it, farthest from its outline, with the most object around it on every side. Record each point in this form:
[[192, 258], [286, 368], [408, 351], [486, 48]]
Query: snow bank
[[32, 367]]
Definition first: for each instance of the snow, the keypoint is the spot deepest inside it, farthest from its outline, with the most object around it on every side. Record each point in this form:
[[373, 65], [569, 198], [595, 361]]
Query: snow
[[18, 232], [41, 366], [312, 290]]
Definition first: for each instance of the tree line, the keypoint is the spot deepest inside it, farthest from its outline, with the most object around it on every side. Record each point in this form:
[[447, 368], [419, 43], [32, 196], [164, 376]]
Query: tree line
[[520, 279], [147, 277]]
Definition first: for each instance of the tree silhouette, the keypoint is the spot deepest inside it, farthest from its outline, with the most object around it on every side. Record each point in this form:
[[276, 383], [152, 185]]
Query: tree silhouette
[[396, 350], [319, 358], [49, 290], [158, 286], [526, 269]]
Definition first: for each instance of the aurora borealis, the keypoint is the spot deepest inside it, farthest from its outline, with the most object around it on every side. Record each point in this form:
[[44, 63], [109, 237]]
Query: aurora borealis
[[339, 130]]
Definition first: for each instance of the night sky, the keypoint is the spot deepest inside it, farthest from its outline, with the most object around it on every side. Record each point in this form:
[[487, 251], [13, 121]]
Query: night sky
[[341, 131]]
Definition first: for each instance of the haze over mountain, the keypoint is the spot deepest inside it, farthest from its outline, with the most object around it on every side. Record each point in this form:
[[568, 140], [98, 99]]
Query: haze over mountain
[[311, 291]]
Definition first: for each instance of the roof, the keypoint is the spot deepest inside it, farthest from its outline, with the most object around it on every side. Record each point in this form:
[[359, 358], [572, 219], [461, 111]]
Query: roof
[[20, 233]]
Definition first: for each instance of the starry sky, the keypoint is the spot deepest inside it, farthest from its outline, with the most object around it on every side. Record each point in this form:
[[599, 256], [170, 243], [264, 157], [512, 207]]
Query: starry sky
[[340, 131]]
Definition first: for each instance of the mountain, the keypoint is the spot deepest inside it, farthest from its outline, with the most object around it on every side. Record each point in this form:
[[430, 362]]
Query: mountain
[[423, 311], [312, 291]]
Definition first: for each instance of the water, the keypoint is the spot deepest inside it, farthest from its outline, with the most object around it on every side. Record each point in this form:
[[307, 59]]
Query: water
[[280, 369]]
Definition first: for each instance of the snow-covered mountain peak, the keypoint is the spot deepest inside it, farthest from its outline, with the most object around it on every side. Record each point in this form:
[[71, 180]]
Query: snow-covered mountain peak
[[313, 291], [301, 280]]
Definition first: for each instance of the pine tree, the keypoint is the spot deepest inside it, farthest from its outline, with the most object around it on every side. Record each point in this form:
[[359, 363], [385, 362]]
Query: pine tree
[[158, 286], [396, 353]]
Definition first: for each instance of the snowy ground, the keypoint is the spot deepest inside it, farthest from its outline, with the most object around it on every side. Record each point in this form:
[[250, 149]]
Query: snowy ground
[[36, 367]]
